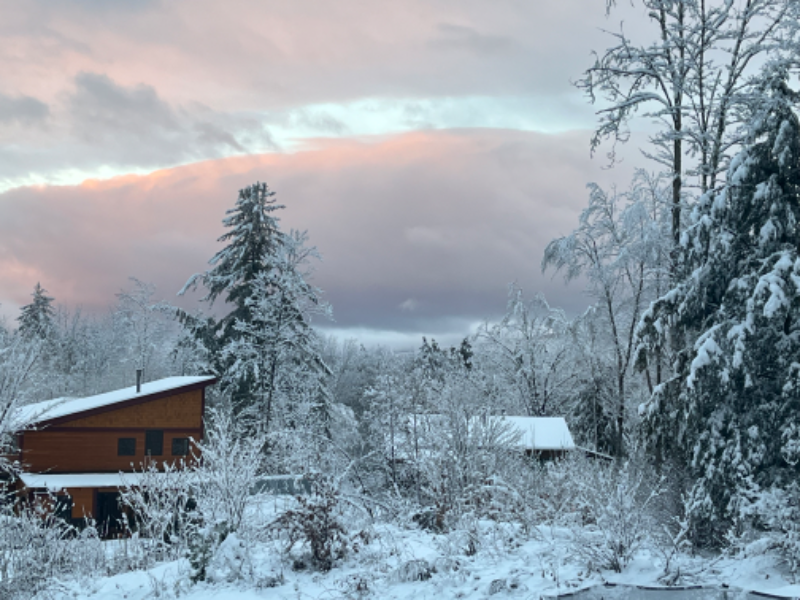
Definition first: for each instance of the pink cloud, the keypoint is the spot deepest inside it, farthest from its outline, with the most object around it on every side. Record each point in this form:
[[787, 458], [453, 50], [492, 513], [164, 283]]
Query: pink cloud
[[446, 218]]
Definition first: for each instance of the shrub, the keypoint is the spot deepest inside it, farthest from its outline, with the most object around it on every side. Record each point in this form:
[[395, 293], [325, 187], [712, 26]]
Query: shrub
[[616, 503], [316, 521], [34, 549]]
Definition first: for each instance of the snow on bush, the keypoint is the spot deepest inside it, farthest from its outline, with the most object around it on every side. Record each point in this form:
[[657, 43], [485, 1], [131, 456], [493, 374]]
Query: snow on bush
[[616, 505], [316, 523]]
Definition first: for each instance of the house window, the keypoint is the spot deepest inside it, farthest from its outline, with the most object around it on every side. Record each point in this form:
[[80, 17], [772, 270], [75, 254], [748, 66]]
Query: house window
[[154, 442], [126, 447], [180, 446]]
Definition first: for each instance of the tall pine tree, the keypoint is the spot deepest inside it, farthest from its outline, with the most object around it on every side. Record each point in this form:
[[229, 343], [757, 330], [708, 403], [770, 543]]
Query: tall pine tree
[[252, 244], [36, 318], [264, 349], [730, 415]]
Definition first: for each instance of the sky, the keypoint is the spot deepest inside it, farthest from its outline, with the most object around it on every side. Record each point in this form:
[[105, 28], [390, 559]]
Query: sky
[[431, 148]]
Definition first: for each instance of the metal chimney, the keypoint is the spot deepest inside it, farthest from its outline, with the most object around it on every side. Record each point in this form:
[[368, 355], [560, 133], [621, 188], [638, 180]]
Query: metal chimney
[[139, 373]]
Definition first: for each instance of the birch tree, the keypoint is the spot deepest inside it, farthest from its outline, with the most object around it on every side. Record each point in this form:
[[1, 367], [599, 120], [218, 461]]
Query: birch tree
[[619, 247]]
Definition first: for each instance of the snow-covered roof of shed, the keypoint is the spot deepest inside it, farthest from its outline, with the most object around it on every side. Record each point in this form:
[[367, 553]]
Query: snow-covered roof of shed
[[55, 482], [541, 433], [62, 407]]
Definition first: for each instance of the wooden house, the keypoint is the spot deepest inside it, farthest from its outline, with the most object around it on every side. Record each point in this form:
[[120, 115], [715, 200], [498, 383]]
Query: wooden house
[[85, 449]]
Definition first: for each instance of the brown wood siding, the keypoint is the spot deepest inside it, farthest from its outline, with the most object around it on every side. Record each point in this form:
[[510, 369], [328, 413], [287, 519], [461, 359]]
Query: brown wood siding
[[88, 451], [179, 410], [82, 502]]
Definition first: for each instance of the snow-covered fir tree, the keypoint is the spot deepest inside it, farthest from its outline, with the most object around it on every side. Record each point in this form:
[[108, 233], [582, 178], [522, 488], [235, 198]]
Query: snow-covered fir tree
[[251, 245], [730, 414], [265, 350], [277, 349], [36, 318]]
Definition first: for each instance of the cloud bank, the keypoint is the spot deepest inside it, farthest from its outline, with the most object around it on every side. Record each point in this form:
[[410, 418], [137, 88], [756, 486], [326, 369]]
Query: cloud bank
[[418, 232]]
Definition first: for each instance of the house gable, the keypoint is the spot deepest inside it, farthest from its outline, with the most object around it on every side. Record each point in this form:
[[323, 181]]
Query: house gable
[[182, 410], [117, 431]]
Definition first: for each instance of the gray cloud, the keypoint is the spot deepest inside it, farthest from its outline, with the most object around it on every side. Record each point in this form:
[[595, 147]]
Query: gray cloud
[[134, 86], [460, 37], [420, 232], [103, 124], [316, 120], [283, 55], [135, 123], [101, 108], [23, 110]]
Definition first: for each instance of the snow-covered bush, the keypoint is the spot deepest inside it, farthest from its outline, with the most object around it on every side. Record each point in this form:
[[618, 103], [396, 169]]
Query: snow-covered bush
[[316, 522], [230, 561], [203, 544], [417, 569], [467, 464], [35, 549], [230, 465], [778, 510], [222, 484], [616, 504], [161, 503]]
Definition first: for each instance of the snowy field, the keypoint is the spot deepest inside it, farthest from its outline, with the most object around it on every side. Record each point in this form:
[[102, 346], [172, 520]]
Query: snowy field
[[412, 564], [392, 562]]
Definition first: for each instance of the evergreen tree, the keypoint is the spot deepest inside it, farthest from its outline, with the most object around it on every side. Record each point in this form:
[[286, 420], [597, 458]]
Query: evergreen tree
[[253, 242], [265, 350], [36, 318], [277, 350], [730, 415]]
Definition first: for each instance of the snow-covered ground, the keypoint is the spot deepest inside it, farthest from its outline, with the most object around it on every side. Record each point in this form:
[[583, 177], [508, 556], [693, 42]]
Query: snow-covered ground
[[390, 562]]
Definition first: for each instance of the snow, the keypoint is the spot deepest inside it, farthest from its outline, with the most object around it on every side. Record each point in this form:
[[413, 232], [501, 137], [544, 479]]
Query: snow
[[61, 407], [506, 565], [774, 281], [535, 433], [541, 433], [706, 350], [60, 481]]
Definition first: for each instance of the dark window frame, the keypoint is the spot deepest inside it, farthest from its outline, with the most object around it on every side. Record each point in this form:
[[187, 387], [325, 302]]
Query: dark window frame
[[154, 442], [126, 446], [181, 444]]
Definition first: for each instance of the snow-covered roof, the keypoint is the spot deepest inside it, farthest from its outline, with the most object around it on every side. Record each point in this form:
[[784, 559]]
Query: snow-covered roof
[[535, 433], [55, 482], [541, 433], [62, 407]]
